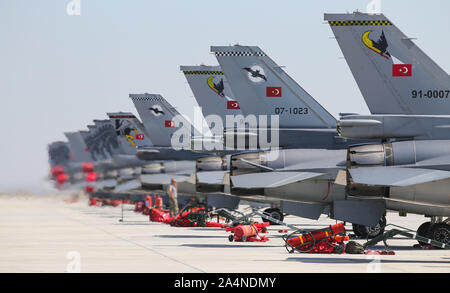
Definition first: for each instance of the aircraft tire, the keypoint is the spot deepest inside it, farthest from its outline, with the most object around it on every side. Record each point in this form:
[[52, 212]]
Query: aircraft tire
[[440, 232], [424, 231], [356, 230], [371, 232], [274, 213]]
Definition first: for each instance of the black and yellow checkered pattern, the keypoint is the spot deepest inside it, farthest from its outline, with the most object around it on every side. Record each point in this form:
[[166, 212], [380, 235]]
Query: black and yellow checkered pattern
[[359, 22], [203, 72]]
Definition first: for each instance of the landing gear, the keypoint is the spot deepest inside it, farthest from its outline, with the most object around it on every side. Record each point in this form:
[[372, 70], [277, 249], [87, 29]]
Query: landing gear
[[440, 232], [424, 231], [436, 229], [274, 213], [370, 232]]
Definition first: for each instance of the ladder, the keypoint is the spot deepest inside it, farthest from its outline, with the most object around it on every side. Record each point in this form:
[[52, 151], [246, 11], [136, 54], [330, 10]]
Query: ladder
[[408, 234]]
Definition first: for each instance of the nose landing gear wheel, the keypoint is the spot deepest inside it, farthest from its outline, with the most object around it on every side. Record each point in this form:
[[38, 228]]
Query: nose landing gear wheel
[[274, 213]]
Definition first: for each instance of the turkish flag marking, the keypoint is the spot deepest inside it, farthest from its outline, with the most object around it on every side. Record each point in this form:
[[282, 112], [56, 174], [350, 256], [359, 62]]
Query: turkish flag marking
[[233, 105], [401, 70], [140, 136], [169, 123], [86, 149], [273, 91]]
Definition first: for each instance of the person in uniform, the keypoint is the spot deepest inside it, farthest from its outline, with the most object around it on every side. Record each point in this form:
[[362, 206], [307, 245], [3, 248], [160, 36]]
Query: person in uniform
[[172, 190]]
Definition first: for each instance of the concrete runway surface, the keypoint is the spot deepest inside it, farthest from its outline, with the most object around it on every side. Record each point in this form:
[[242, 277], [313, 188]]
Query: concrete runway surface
[[46, 234]]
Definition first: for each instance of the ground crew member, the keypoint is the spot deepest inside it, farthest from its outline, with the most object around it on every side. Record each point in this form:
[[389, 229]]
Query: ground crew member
[[173, 197]]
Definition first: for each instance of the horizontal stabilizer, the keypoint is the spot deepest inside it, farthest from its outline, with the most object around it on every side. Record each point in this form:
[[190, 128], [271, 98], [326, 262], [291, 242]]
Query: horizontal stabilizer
[[211, 177], [259, 166], [392, 176], [270, 179], [107, 183], [129, 185]]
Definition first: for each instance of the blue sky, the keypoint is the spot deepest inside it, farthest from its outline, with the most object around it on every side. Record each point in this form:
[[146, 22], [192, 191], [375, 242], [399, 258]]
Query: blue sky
[[58, 72]]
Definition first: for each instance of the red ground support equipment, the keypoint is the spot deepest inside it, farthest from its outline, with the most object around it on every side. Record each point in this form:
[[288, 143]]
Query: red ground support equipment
[[319, 241], [139, 207], [183, 220], [116, 202], [62, 177], [158, 215], [248, 233], [148, 201], [158, 202], [93, 201], [87, 167], [215, 224], [56, 170], [91, 177], [380, 252], [147, 205], [89, 189]]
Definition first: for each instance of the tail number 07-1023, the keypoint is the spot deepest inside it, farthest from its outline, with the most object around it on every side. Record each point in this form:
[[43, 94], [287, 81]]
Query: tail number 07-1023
[[291, 111]]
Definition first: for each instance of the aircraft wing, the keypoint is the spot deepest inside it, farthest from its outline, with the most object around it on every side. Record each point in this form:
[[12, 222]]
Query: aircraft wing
[[163, 178], [270, 179], [211, 177], [394, 176], [106, 183]]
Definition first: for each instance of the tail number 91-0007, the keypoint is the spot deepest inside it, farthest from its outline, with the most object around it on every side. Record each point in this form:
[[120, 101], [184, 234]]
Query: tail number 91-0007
[[430, 94]]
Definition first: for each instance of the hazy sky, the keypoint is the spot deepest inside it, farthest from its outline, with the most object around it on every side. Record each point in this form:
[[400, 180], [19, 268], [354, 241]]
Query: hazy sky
[[58, 72]]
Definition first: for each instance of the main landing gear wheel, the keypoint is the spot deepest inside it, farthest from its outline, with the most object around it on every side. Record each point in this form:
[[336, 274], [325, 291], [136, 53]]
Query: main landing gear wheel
[[440, 232], [370, 232], [424, 231], [274, 213]]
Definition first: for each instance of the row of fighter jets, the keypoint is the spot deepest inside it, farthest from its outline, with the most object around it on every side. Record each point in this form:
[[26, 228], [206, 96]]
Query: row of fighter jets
[[353, 169]]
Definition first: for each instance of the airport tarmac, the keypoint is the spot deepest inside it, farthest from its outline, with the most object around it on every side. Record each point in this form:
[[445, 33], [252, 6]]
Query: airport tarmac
[[46, 234]]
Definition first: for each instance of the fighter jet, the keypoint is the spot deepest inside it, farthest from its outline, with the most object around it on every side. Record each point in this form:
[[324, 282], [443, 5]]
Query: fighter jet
[[408, 95], [159, 164], [212, 172], [303, 180], [59, 156]]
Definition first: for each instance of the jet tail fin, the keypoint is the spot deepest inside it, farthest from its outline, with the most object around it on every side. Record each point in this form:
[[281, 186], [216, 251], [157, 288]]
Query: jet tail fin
[[160, 119], [264, 88], [211, 90], [58, 153], [393, 74], [101, 140], [77, 147], [130, 131]]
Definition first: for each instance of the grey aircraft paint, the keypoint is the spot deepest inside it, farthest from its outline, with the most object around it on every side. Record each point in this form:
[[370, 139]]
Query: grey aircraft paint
[[407, 92], [211, 90], [400, 75], [303, 122]]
